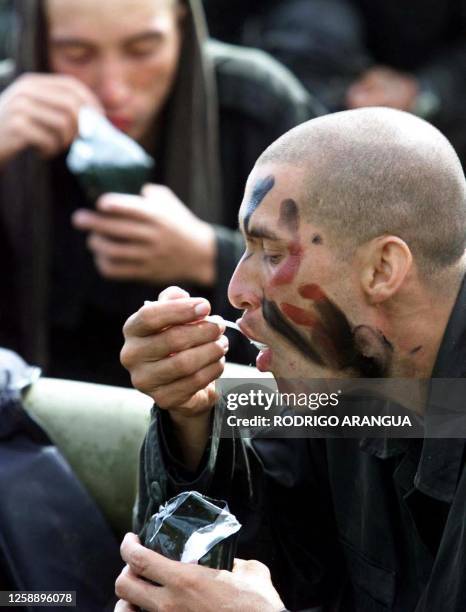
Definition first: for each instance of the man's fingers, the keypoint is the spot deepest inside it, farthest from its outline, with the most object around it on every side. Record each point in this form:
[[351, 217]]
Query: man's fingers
[[172, 340], [182, 391], [145, 562], [119, 269], [172, 293], [124, 205], [124, 606], [111, 249], [154, 317], [154, 376], [113, 227], [56, 84], [247, 569], [129, 587], [62, 124], [46, 141], [188, 362]]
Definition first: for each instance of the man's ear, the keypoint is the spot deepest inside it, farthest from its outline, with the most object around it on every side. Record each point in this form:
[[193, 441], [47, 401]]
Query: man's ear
[[386, 262]]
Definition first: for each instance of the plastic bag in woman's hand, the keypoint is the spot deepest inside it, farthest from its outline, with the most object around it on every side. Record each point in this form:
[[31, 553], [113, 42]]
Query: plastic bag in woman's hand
[[193, 528], [104, 159]]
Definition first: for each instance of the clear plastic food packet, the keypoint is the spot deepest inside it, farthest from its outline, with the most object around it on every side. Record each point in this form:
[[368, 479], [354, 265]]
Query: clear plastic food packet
[[104, 159], [193, 528]]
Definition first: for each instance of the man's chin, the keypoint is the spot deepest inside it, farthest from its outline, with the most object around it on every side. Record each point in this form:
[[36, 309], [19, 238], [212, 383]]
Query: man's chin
[[269, 361], [264, 360]]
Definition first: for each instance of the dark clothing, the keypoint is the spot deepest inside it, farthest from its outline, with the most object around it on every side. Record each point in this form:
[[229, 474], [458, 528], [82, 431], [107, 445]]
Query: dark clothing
[[329, 43], [320, 41], [61, 314], [349, 525], [428, 39], [49, 524]]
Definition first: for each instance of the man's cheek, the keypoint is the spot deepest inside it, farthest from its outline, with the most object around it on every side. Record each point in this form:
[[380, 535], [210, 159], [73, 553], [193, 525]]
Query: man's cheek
[[331, 336], [290, 221], [299, 316], [320, 323], [315, 328]]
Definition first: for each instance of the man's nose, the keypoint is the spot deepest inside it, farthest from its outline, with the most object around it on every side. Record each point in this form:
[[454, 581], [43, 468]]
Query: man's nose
[[112, 87], [244, 290]]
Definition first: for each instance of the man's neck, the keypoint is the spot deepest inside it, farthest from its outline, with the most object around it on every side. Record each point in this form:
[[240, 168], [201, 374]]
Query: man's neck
[[418, 338], [417, 334]]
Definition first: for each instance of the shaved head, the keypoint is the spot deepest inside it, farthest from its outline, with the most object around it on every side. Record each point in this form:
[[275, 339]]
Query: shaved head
[[376, 171]]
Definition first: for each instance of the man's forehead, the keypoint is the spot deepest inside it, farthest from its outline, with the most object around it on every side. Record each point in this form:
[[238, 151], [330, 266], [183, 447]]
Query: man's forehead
[[268, 187], [88, 14]]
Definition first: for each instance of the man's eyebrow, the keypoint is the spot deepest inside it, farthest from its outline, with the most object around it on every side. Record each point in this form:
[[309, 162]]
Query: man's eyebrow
[[261, 232], [148, 36], [68, 41], [71, 41]]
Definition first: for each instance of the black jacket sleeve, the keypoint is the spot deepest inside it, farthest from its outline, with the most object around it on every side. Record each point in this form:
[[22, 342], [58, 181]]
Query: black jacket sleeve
[[277, 489]]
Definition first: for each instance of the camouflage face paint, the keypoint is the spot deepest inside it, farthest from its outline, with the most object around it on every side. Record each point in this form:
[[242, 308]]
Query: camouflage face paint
[[289, 219], [260, 191], [276, 320], [330, 340], [289, 216]]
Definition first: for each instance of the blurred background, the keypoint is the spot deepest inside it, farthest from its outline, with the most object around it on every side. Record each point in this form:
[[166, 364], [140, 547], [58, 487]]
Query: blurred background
[[354, 53]]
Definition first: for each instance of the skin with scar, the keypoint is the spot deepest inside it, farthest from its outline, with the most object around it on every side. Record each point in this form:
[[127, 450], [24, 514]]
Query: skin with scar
[[348, 272]]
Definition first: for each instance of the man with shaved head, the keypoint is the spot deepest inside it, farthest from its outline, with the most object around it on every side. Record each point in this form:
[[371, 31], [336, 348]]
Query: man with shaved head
[[355, 229]]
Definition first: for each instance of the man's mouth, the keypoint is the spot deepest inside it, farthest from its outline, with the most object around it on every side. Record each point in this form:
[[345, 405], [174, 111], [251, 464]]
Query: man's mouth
[[122, 123], [245, 329]]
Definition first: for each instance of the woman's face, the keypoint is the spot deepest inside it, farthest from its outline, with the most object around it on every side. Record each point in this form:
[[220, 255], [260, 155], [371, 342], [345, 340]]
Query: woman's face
[[125, 51]]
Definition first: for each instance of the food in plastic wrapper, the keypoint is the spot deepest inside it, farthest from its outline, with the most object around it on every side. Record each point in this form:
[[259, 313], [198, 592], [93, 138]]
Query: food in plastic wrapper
[[104, 159], [193, 528]]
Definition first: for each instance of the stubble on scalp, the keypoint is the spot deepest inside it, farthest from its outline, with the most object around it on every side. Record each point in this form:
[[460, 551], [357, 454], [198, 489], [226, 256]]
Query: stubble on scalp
[[375, 172]]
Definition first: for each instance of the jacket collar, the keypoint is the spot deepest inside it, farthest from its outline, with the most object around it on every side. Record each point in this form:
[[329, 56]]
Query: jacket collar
[[441, 460]]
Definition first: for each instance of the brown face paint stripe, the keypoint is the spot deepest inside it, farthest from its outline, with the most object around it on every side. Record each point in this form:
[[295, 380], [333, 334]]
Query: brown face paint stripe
[[289, 216]]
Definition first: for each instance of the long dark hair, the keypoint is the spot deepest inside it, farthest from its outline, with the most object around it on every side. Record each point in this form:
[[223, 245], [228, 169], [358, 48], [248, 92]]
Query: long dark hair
[[30, 49]]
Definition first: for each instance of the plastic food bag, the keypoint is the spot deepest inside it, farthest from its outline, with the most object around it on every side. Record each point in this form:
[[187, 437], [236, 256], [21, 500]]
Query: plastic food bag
[[105, 159], [194, 529]]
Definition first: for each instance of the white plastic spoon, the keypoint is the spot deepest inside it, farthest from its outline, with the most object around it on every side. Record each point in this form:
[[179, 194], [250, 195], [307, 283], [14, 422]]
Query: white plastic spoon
[[231, 325]]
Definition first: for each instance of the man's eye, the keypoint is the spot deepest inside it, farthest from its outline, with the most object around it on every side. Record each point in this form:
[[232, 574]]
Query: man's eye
[[77, 55], [143, 50], [273, 258]]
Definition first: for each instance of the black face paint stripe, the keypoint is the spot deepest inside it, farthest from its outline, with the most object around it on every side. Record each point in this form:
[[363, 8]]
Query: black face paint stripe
[[378, 364], [276, 320], [334, 320], [261, 189], [352, 357]]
